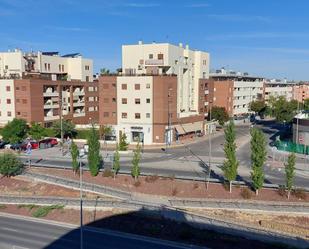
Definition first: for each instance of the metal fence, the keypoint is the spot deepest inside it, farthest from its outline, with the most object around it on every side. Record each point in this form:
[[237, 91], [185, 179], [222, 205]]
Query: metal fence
[[292, 147]]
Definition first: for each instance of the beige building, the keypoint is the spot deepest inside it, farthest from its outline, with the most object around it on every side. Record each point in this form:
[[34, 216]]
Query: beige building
[[166, 59], [276, 88], [17, 64]]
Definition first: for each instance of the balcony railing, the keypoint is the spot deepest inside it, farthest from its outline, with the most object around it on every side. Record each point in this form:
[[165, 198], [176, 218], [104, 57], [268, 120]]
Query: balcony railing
[[51, 94], [50, 118], [50, 106], [154, 62]]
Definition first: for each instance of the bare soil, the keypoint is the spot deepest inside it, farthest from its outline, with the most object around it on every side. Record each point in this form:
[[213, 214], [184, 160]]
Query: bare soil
[[19, 186], [139, 223], [297, 225], [171, 187]]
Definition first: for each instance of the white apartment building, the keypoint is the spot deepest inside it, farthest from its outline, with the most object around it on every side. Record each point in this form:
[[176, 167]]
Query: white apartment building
[[277, 89], [16, 64], [163, 58], [7, 101]]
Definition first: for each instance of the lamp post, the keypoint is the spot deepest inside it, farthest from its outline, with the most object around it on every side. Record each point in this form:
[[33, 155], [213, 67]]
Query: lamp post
[[168, 134], [209, 149], [81, 199], [297, 116]]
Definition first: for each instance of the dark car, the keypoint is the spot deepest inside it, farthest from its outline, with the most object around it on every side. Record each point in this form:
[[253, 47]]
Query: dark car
[[48, 143], [16, 146], [2, 144]]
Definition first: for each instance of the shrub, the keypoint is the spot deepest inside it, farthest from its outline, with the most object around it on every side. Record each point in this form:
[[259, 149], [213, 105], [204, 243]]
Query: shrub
[[246, 193], [174, 191], [43, 211], [82, 134], [151, 179], [10, 165], [299, 193], [107, 173], [137, 184], [28, 206], [281, 191]]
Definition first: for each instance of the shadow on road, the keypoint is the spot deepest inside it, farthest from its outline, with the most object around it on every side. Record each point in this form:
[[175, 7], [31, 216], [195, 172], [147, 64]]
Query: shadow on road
[[165, 224]]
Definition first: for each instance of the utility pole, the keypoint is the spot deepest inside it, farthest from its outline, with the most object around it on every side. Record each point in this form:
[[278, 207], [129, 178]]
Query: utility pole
[[209, 149], [61, 118], [297, 116], [81, 201]]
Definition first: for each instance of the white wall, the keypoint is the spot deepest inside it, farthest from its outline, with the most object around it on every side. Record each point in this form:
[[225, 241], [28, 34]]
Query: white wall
[[277, 91], [125, 125], [14, 61], [4, 107]]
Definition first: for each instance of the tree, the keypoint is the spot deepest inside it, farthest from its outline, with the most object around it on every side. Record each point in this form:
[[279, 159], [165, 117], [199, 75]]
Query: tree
[[306, 104], [94, 157], [258, 158], [290, 173], [220, 114], [104, 71], [68, 128], [230, 165], [135, 172], [257, 106], [116, 162], [283, 110], [10, 165], [105, 130], [37, 131], [74, 154], [15, 131], [123, 145]]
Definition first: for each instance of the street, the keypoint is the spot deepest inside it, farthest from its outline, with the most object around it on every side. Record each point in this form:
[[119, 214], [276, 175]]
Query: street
[[192, 160], [26, 234]]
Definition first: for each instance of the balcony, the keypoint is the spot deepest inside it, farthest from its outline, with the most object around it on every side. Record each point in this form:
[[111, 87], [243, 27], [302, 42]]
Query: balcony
[[50, 94], [154, 62], [82, 103], [51, 106], [51, 118], [78, 93]]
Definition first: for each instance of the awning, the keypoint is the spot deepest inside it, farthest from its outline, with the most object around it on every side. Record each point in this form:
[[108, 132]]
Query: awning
[[189, 127]]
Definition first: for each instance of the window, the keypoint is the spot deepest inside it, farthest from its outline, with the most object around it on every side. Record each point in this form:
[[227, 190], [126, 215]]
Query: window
[[87, 78], [114, 100], [45, 66], [6, 67], [24, 101], [62, 68], [8, 88], [48, 67], [87, 68], [137, 86], [147, 115], [105, 114], [9, 114], [17, 88], [8, 101], [148, 101], [105, 100], [18, 113], [124, 86], [124, 101], [147, 85], [137, 101], [124, 115], [150, 56], [114, 85], [59, 67], [137, 116], [141, 62], [160, 56], [17, 100]]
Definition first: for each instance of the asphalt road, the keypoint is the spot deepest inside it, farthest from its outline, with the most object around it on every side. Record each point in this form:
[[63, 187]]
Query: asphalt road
[[25, 234]]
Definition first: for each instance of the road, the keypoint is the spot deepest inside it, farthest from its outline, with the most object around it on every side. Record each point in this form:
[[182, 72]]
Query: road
[[192, 160], [26, 234]]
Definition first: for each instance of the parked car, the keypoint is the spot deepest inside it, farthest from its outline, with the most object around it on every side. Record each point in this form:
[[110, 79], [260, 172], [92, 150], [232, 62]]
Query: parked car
[[16, 146], [34, 144], [48, 143], [2, 144]]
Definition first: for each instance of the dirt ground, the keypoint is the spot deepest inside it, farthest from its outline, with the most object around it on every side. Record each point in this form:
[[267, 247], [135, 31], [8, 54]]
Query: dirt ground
[[139, 223], [170, 186], [19, 186], [297, 225]]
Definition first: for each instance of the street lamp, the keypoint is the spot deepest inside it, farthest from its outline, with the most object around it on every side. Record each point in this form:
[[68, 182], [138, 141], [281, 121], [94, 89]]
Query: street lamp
[[80, 155]]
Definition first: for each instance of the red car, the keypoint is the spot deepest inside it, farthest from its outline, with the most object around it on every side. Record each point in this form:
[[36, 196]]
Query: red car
[[34, 144], [48, 143]]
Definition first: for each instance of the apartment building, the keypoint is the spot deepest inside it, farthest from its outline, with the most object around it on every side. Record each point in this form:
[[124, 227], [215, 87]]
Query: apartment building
[[145, 108], [301, 92], [233, 90], [163, 58], [40, 100], [18, 64], [277, 88]]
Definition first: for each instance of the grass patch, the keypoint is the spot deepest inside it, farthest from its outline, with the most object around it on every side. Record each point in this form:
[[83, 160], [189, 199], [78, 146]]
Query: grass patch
[[2, 206], [44, 210]]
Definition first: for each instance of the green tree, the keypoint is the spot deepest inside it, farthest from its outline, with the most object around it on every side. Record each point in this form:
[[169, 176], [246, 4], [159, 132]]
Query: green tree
[[10, 165], [283, 110], [74, 154], [258, 158], [68, 128], [37, 131], [94, 157], [257, 106], [306, 104], [15, 131], [123, 145], [104, 71], [290, 173], [220, 114], [116, 161], [135, 171], [230, 165], [105, 130]]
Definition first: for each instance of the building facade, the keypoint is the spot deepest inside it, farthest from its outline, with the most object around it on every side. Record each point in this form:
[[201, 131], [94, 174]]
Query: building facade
[[301, 92], [17, 64], [301, 129], [275, 88], [166, 59], [40, 100]]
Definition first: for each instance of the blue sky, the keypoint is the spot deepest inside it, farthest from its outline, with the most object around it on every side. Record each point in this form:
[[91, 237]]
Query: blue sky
[[264, 37]]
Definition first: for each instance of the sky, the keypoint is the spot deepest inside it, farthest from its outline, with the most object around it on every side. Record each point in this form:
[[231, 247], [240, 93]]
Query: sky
[[268, 38]]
